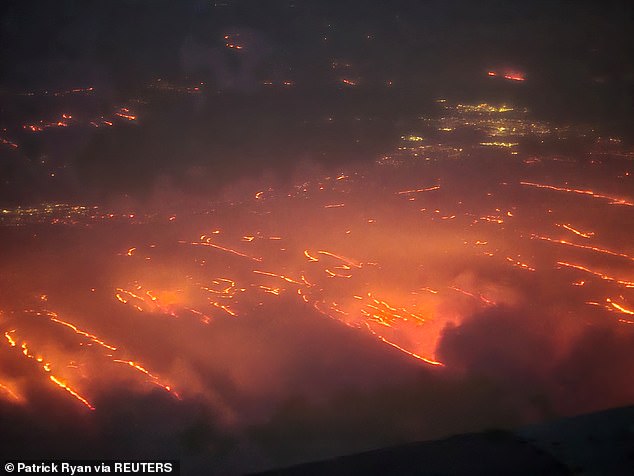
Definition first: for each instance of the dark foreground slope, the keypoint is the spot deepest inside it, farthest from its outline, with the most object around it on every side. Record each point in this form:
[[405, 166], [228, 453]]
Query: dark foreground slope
[[596, 444]]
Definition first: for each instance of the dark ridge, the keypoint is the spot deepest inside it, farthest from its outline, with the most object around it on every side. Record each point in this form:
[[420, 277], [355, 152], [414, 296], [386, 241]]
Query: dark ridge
[[605, 439]]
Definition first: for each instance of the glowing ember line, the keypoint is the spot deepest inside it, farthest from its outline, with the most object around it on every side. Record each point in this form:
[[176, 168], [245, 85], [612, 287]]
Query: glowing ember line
[[47, 368], [613, 200], [136, 366], [226, 291], [11, 393], [337, 275], [392, 313], [10, 339], [583, 247], [270, 290], [228, 250], [304, 298], [499, 144], [61, 384], [285, 278], [474, 296], [131, 294], [83, 333], [376, 318], [620, 308], [204, 318], [576, 231], [124, 113], [519, 264], [492, 219], [225, 308], [411, 354], [341, 258], [311, 258], [154, 379], [514, 77], [419, 190], [629, 284]]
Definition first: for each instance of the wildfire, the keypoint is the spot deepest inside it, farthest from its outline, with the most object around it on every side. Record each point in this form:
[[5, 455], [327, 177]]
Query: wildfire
[[92, 337], [612, 200], [125, 113], [396, 250], [222, 248], [620, 308], [6, 390], [65, 386], [576, 231], [583, 247], [628, 284], [405, 351]]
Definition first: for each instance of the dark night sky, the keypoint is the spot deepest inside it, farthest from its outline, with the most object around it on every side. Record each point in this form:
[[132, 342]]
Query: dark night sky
[[140, 38]]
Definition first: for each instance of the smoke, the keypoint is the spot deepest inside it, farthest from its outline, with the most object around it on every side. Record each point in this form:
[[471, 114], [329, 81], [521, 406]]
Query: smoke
[[543, 360], [307, 316]]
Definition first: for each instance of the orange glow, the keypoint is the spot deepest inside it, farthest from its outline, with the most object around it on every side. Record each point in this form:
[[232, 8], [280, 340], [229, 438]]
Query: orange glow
[[125, 113], [519, 264], [372, 249], [583, 247], [405, 351], [92, 337], [63, 385], [613, 200], [136, 366], [332, 274], [386, 314], [308, 255], [577, 232], [222, 248], [514, 77], [224, 308], [47, 368], [619, 307], [479, 297], [419, 190], [507, 74], [285, 278], [341, 258], [224, 286], [6, 390], [153, 378], [8, 142], [10, 339], [628, 284], [270, 290]]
